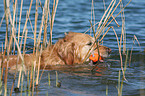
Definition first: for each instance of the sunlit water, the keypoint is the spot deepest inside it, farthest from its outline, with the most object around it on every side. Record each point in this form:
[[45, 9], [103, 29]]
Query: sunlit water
[[74, 15]]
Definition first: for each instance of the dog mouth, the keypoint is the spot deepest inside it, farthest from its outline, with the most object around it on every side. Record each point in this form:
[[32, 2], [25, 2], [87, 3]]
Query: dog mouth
[[95, 57], [106, 54]]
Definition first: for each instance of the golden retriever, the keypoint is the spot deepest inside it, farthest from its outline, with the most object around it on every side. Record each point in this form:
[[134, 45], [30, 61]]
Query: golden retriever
[[74, 48]]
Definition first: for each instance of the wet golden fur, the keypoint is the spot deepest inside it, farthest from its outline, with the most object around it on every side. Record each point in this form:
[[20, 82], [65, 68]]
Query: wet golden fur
[[72, 49]]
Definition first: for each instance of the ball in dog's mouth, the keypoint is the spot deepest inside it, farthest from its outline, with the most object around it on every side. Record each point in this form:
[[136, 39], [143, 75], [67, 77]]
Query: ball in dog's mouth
[[96, 57]]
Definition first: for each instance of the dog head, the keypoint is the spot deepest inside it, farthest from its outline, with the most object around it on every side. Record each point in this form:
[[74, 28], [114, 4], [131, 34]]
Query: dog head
[[76, 48]]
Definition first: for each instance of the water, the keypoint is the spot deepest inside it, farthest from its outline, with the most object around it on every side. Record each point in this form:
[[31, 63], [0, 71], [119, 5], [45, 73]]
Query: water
[[74, 15]]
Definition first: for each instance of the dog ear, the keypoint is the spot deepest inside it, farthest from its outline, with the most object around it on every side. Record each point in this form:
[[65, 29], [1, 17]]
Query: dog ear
[[67, 38], [67, 54]]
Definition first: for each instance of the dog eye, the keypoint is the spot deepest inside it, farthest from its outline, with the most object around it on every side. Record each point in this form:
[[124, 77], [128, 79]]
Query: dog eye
[[90, 43]]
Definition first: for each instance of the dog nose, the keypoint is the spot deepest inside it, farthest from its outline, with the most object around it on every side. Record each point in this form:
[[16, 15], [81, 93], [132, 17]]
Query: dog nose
[[109, 50]]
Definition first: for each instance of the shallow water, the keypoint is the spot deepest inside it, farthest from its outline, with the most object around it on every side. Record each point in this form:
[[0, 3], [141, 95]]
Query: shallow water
[[74, 15]]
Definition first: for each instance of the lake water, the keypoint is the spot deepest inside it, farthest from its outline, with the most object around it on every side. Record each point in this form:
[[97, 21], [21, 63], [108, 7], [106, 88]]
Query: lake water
[[74, 15]]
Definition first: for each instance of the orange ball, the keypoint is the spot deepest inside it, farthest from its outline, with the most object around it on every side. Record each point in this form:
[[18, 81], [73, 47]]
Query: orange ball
[[95, 57]]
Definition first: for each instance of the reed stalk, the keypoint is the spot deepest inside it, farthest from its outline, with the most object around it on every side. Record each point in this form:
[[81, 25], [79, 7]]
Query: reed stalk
[[28, 85], [92, 14], [22, 58], [1, 71], [134, 39], [24, 47], [33, 78], [97, 43], [19, 52], [19, 78], [25, 26], [23, 66], [120, 86], [109, 15], [47, 11], [117, 15], [13, 81], [39, 40], [0, 83], [25, 90], [14, 19], [103, 17], [15, 75], [119, 47], [20, 21], [104, 23], [6, 36], [119, 76], [51, 19], [123, 28], [19, 55], [104, 5], [6, 5], [49, 82], [38, 68], [6, 74], [2, 19], [18, 43], [56, 78], [31, 24], [40, 31], [22, 80], [35, 28], [106, 90], [13, 24], [45, 64]]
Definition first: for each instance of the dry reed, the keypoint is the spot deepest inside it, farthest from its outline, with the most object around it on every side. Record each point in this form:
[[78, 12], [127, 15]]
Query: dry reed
[[51, 19], [104, 23], [134, 39], [35, 27]]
